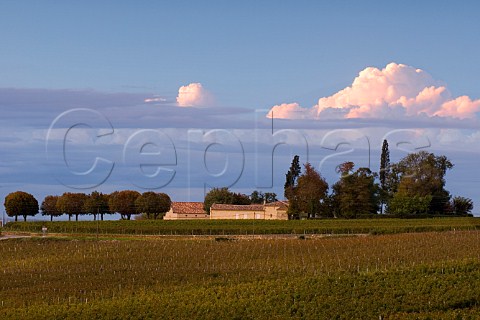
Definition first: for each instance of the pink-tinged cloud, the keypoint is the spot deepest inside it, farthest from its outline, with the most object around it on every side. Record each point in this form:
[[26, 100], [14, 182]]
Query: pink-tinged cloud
[[194, 95], [288, 111], [395, 91]]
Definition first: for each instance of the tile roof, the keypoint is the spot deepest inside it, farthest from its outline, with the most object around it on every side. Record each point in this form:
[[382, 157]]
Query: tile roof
[[188, 207], [238, 207], [281, 204]]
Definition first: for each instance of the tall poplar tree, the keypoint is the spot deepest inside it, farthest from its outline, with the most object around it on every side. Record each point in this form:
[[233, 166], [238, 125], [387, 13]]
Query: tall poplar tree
[[290, 186], [384, 173]]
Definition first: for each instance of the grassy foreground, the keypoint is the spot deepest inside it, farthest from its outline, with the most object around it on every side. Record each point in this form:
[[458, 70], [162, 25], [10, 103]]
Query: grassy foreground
[[399, 276], [242, 227]]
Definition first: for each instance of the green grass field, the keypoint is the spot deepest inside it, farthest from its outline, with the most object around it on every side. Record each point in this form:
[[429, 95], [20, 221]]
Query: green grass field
[[242, 227], [424, 275]]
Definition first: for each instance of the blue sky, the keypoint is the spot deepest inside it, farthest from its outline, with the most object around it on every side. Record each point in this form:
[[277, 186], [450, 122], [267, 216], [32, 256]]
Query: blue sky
[[248, 56]]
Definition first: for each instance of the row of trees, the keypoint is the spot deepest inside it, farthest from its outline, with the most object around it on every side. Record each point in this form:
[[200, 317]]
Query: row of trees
[[126, 203], [225, 196], [415, 185]]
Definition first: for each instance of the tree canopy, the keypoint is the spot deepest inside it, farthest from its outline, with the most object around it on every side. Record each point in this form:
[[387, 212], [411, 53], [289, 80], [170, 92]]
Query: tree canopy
[[311, 191], [422, 174], [49, 207], [96, 203], [225, 196], [153, 204], [72, 204], [355, 193], [260, 197], [123, 202], [20, 203], [461, 206]]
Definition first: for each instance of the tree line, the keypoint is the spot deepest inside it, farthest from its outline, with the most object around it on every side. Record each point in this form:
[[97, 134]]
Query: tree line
[[150, 204], [414, 186]]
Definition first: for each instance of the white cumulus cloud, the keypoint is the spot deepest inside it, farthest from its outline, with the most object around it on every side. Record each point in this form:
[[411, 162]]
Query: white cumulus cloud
[[395, 91], [194, 95]]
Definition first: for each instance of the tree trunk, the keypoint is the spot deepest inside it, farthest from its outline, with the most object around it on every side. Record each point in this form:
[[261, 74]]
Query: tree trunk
[[102, 216], [16, 218], [24, 218], [51, 217], [76, 217]]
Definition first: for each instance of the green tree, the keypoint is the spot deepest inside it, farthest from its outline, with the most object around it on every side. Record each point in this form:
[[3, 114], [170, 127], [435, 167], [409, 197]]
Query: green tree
[[461, 206], [257, 197], [290, 185], [240, 198], [423, 174], [96, 203], [383, 175], [20, 203], [291, 176], [49, 207], [153, 204], [404, 205], [270, 197], [72, 204], [355, 192], [223, 195], [311, 191], [123, 202]]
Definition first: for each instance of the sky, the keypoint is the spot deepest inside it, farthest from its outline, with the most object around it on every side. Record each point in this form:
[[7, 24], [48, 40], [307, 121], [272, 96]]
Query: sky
[[182, 96]]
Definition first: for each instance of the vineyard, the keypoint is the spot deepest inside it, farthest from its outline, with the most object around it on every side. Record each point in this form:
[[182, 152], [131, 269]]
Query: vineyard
[[395, 276], [250, 227]]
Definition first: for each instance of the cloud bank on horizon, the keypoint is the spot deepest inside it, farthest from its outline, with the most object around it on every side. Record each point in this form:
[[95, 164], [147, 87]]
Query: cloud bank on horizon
[[396, 91]]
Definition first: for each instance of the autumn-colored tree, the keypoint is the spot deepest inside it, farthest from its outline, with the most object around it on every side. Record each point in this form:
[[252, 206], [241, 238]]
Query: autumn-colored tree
[[123, 202], [20, 203], [345, 168], [96, 203], [72, 204], [311, 191], [153, 204], [49, 207]]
